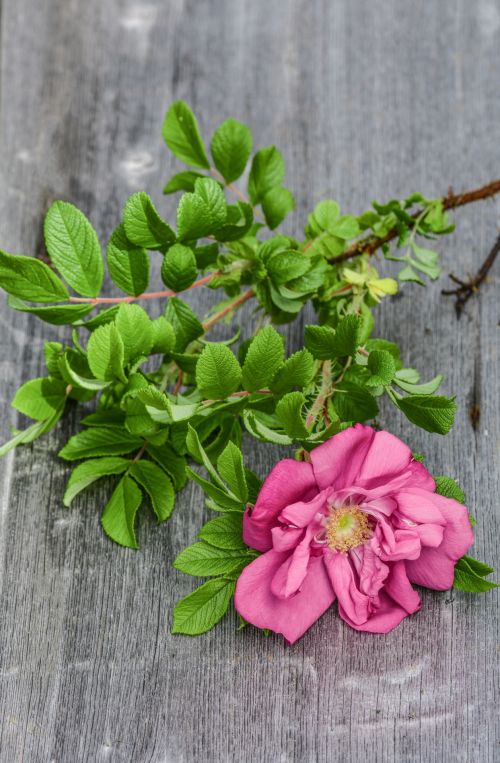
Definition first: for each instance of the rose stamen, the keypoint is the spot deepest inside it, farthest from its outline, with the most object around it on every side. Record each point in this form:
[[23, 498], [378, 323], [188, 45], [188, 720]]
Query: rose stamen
[[347, 528]]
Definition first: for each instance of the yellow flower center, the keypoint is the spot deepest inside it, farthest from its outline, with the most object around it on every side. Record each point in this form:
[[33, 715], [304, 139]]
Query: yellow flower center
[[347, 528]]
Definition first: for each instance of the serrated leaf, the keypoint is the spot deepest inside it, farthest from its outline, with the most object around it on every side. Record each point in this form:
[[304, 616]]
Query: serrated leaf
[[325, 215], [182, 135], [267, 171], [31, 279], [261, 431], [128, 264], [289, 412], [185, 323], [220, 496], [40, 398], [169, 460], [264, 356], [218, 373], [232, 470], [468, 578], [285, 266], [163, 335], [79, 378], [143, 225], [238, 222], [201, 212], [354, 403], [30, 434], [382, 367], [118, 517], [182, 181], [203, 560], [231, 147], [100, 441], [408, 274], [276, 204], [104, 316], [89, 472], [224, 532], [200, 610], [320, 341], [57, 315], [179, 268], [105, 353], [434, 414], [448, 487], [296, 371], [346, 336], [134, 327], [74, 248], [157, 485]]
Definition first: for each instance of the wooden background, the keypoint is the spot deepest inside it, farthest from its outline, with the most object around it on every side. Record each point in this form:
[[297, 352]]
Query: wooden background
[[367, 99]]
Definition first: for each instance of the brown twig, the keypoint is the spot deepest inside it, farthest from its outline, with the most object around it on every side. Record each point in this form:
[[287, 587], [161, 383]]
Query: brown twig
[[228, 309], [370, 244], [149, 295], [466, 289]]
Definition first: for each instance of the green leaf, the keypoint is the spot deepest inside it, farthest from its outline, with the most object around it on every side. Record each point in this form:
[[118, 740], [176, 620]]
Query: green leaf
[[89, 472], [185, 323], [382, 367], [276, 204], [74, 248], [434, 414], [179, 268], [105, 353], [100, 441], [238, 222], [31, 279], [285, 266], [224, 532], [289, 412], [128, 264], [157, 485], [163, 335], [200, 610], [195, 448], [264, 356], [79, 377], [36, 430], [40, 398], [183, 181], [448, 487], [143, 225], [261, 431], [57, 315], [218, 373], [346, 336], [325, 216], [320, 341], [104, 316], [408, 274], [419, 389], [201, 212], [354, 403], [231, 147], [134, 327], [267, 171], [232, 470], [469, 576], [220, 496], [118, 517], [203, 560], [182, 135], [296, 371], [169, 460]]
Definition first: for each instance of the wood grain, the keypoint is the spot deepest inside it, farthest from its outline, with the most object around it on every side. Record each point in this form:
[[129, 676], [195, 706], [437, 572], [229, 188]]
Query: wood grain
[[367, 100]]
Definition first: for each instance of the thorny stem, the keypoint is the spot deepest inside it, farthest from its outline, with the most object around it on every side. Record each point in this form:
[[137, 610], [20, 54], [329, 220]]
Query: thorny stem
[[466, 289], [370, 244], [228, 309], [324, 392], [149, 295]]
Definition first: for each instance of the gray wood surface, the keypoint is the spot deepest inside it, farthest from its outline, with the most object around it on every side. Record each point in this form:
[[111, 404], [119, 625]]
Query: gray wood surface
[[367, 99]]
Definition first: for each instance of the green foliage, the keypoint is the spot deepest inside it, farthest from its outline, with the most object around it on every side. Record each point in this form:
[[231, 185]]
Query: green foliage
[[231, 147], [182, 135], [179, 268], [74, 248], [159, 394], [470, 576]]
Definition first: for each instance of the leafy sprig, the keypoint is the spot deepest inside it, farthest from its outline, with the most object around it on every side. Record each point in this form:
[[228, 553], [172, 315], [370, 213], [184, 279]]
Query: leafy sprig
[[162, 393]]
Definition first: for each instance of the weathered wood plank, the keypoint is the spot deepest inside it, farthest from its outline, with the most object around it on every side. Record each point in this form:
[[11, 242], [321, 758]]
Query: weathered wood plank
[[366, 99]]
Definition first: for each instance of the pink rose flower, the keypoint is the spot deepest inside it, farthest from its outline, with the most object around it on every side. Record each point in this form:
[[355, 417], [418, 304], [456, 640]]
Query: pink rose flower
[[360, 523]]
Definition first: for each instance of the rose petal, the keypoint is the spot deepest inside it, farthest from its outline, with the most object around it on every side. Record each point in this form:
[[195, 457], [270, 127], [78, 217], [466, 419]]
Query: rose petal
[[338, 461], [386, 458], [302, 513], [398, 587], [286, 538], [256, 603], [384, 619], [350, 598], [435, 567], [418, 505], [288, 482]]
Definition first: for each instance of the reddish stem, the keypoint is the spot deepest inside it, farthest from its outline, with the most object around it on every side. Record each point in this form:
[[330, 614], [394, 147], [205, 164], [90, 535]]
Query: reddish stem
[[228, 309], [148, 295]]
